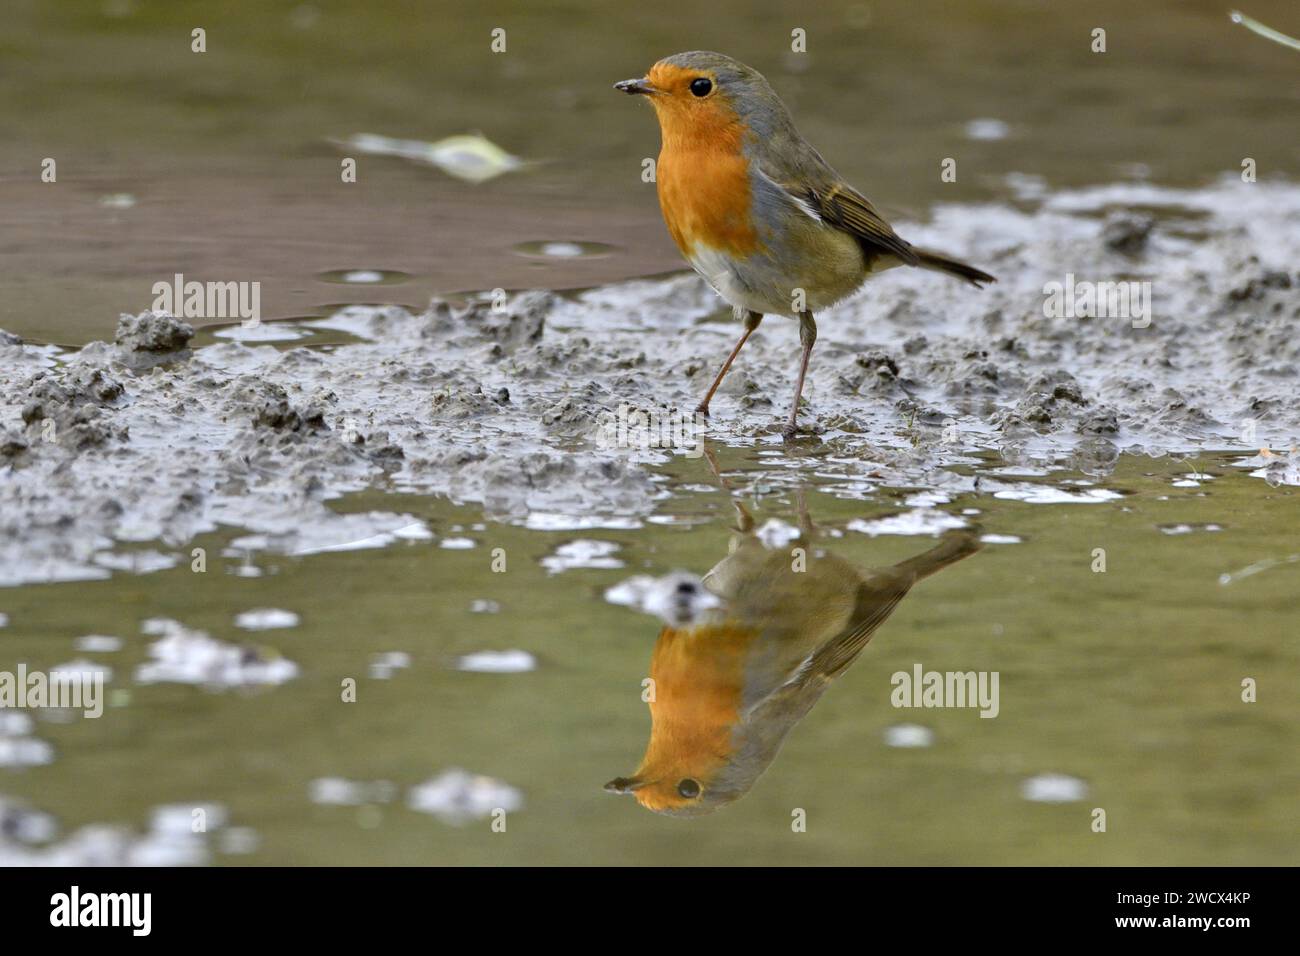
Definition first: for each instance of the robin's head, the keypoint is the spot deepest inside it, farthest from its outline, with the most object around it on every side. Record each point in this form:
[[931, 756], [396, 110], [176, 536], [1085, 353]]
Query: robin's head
[[675, 795], [703, 92], [691, 765]]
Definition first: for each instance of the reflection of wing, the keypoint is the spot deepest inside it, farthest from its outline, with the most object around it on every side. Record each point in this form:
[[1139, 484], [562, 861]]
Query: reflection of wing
[[796, 696], [834, 658], [877, 595]]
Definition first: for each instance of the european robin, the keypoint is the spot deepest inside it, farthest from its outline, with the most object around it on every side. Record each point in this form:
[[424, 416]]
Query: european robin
[[729, 687], [756, 210]]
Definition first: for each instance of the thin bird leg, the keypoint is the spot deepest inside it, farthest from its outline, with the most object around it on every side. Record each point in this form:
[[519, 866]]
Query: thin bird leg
[[744, 520], [751, 323], [712, 459], [801, 504], [807, 336]]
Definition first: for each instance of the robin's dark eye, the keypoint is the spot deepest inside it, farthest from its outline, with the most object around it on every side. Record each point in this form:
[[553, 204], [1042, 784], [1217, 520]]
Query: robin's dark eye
[[688, 788], [701, 87]]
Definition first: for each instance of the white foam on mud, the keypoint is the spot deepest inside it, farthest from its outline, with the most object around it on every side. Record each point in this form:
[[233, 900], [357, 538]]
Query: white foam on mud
[[342, 792], [383, 666], [1046, 495], [358, 321], [458, 797], [186, 656], [25, 752], [136, 562], [497, 662], [98, 643], [908, 735], [1177, 529], [918, 521], [542, 521], [582, 553], [263, 332], [266, 618], [15, 723], [1053, 788], [28, 838], [999, 539], [352, 532], [775, 533]]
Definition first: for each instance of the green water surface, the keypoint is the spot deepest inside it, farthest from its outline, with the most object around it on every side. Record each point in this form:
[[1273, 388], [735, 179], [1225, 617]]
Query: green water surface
[[1129, 680]]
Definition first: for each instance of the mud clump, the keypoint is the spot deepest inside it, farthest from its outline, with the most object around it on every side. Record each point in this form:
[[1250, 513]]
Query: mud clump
[[12, 445], [1100, 421], [1259, 286], [1127, 233], [273, 409], [507, 324], [76, 387], [68, 410], [467, 402], [878, 363], [155, 332], [568, 416]]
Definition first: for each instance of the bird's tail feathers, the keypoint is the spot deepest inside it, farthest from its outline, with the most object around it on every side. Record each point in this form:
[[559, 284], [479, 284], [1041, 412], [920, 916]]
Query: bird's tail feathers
[[952, 547], [941, 263]]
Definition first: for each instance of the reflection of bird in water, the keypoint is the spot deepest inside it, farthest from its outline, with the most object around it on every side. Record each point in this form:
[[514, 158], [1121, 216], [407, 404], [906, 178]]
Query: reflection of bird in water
[[728, 688]]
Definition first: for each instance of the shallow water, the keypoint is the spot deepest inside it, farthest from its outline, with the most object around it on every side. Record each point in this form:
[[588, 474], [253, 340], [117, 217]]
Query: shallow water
[[226, 164], [1128, 682]]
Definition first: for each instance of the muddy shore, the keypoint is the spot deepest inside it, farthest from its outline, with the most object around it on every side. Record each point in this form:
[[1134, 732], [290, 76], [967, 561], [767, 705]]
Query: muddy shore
[[156, 438]]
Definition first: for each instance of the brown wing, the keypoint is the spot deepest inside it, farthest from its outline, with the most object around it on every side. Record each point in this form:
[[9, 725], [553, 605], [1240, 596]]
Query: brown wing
[[845, 208], [800, 170]]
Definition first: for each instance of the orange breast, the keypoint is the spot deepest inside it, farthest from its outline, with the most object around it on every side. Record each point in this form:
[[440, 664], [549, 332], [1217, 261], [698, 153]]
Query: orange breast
[[703, 181], [699, 679]]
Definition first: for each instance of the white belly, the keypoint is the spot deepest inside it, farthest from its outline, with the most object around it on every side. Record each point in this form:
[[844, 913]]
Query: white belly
[[722, 272], [821, 274]]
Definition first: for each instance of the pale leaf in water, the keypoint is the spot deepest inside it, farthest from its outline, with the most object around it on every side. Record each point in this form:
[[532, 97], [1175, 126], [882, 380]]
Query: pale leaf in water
[[471, 157], [1268, 33]]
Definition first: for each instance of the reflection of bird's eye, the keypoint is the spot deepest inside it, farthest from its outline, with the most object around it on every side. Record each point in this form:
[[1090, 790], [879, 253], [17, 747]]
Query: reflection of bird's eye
[[701, 87], [689, 789]]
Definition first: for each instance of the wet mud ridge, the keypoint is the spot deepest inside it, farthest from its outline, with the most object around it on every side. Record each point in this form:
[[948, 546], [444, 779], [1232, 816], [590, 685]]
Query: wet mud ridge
[[152, 439]]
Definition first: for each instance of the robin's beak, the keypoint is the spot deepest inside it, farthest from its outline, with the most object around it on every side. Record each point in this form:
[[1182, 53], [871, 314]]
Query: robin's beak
[[632, 87], [624, 784]]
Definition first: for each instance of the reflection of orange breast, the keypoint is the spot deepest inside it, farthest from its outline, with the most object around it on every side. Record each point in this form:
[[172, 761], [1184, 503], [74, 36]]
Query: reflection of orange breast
[[699, 680], [704, 192]]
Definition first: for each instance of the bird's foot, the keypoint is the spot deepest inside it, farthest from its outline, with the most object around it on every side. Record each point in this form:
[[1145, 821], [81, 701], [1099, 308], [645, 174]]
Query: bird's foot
[[800, 432], [702, 409]]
